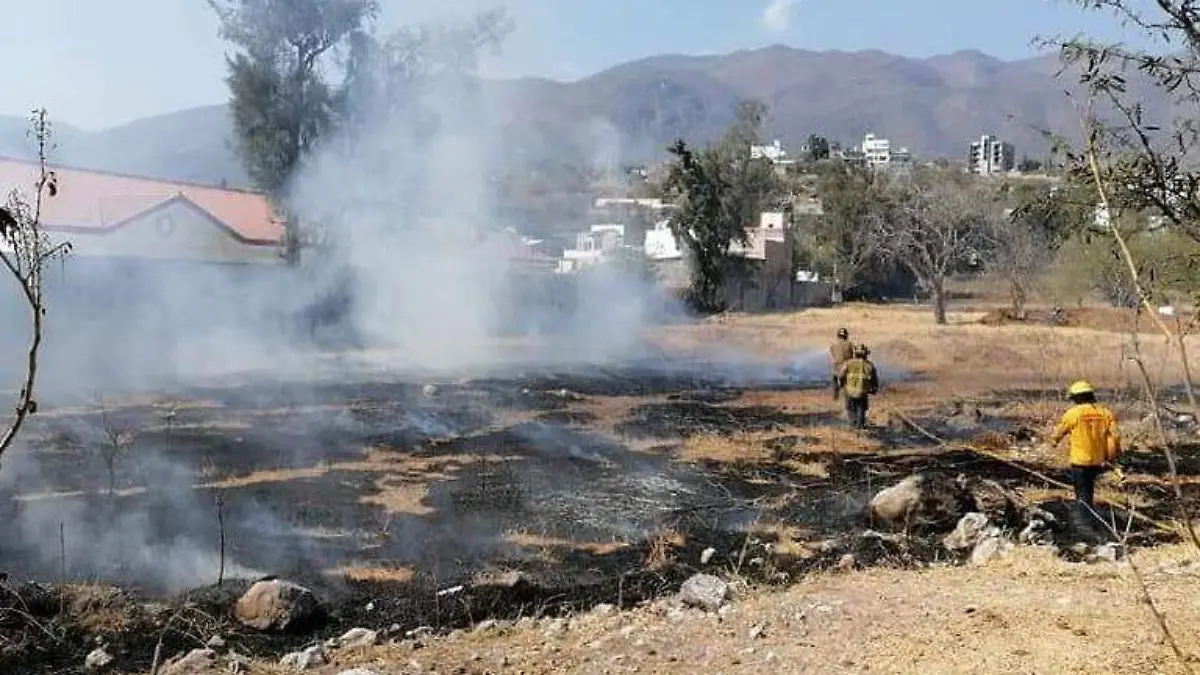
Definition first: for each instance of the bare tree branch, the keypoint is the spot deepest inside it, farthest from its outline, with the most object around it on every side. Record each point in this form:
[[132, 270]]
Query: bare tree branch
[[25, 251]]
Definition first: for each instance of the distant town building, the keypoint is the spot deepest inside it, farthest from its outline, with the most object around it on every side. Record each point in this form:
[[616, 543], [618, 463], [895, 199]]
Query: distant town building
[[878, 153], [773, 152], [593, 246], [989, 155]]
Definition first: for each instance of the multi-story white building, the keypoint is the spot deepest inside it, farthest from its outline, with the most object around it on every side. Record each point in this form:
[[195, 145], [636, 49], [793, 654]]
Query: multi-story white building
[[773, 152], [990, 155], [877, 151]]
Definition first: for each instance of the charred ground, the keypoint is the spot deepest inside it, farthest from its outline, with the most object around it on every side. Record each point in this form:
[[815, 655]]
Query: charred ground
[[409, 503]]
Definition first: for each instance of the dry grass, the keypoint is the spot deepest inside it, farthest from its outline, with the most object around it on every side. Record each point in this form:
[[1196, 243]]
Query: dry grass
[[396, 575], [959, 359], [662, 549], [547, 544]]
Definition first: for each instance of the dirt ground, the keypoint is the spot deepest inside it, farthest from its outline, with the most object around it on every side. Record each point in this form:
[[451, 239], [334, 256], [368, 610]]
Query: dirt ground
[[603, 489], [1031, 613]]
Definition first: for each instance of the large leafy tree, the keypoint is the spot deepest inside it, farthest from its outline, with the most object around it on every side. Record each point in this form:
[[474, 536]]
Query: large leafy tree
[[721, 190], [282, 103]]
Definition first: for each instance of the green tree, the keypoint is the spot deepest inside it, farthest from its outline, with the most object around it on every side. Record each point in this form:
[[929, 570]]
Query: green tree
[[839, 241], [282, 103], [720, 191]]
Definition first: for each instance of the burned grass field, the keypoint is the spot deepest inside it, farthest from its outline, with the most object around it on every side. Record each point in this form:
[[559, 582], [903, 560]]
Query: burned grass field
[[408, 503]]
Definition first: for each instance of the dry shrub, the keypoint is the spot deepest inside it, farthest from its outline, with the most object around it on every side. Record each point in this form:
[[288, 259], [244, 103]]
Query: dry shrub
[[661, 552]]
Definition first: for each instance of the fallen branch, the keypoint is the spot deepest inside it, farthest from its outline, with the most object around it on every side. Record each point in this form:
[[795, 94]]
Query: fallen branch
[[1126, 506]]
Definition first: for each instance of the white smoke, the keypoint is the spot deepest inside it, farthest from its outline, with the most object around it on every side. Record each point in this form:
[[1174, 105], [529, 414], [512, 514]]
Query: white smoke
[[777, 15]]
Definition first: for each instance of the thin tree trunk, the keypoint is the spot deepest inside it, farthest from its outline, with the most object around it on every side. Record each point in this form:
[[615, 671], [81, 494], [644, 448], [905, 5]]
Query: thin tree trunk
[[939, 302]]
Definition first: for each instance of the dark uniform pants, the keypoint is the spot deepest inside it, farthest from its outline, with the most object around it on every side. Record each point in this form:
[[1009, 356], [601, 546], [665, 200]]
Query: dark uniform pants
[[856, 411], [1083, 478]]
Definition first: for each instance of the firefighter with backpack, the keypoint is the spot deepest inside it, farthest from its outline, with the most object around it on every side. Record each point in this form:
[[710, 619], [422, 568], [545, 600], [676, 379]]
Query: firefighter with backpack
[[858, 380]]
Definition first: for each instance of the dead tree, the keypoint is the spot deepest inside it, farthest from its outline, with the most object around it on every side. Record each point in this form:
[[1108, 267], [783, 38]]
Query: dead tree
[[117, 442], [25, 252], [934, 224]]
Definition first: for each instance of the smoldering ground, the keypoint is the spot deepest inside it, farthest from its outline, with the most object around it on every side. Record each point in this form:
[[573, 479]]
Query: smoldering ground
[[287, 405]]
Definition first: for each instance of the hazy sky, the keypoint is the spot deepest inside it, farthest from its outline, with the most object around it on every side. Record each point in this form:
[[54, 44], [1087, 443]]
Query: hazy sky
[[98, 63]]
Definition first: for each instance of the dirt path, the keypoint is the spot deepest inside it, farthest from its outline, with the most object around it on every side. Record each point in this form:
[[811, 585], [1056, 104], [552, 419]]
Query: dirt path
[[1029, 613]]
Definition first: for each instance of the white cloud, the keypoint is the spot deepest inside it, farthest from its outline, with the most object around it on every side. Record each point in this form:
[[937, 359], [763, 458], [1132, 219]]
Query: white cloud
[[777, 16]]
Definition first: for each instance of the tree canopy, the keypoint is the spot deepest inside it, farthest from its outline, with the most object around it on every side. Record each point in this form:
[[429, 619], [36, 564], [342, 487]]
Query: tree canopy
[[721, 190]]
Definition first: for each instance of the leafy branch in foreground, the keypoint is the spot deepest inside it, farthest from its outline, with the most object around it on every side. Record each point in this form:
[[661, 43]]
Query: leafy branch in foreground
[[1151, 160], [25, 252]]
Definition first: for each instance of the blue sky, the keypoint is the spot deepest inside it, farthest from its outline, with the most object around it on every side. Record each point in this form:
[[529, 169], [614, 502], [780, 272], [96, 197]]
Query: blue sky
[[98, 63]]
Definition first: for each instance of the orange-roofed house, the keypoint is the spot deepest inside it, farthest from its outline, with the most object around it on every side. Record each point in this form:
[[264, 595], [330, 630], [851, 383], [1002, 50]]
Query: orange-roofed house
[[117, 216]]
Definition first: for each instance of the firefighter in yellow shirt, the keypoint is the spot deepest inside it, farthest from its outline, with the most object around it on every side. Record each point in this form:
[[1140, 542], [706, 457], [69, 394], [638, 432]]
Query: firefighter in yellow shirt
[[1095, 441]]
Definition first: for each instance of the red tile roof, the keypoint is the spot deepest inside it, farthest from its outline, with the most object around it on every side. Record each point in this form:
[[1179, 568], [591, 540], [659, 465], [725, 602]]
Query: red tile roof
[[99, 200]]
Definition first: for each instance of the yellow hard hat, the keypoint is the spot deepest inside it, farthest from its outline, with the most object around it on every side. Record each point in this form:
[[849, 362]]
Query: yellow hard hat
[[1080, 387]]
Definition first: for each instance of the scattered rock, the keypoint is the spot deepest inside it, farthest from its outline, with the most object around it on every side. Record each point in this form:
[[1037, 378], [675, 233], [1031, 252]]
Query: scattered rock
[[308, 659], [757, 631], [967, 533], [238, 663], [276, 605], [359, 671], [1036, 532], [196, 662], [846, 563], [1110, 552], [704, 591], [707, 555], [924, 500], [604, 610], [486, 625], [358, 638], [988, 549], [419, 632], [898, 502], [429, 390], [215, 642], [98, 659]]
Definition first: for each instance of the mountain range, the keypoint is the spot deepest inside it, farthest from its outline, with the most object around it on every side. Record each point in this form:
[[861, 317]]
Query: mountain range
[[631, 112]]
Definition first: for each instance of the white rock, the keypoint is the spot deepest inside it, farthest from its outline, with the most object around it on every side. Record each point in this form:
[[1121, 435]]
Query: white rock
[[704, 591], [310, 658], [358, 638], [197, 662], [967, 533], [989, 548], [896, 503], [707, 555], [98, 659], [276, 605]]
